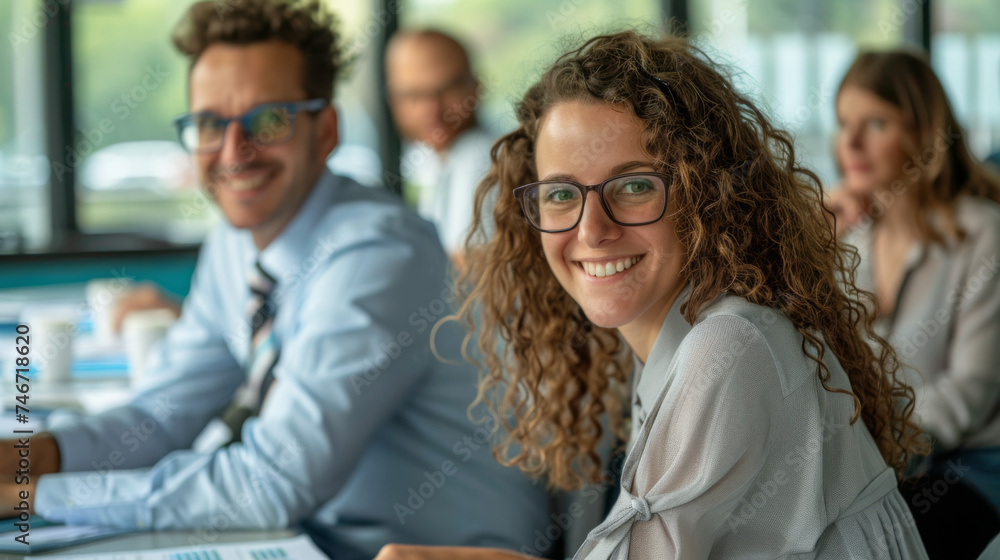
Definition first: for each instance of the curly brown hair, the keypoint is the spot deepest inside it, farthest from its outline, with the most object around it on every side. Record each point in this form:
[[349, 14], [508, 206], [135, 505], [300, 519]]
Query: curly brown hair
[[906, 80], [752, 223], [307, 25]]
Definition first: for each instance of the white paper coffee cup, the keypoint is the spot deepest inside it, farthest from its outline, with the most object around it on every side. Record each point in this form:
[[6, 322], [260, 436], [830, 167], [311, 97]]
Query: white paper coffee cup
[[52, 348], [141, 330]]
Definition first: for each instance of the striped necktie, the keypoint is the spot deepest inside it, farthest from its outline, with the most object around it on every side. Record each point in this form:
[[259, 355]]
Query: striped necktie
[[264, 350]]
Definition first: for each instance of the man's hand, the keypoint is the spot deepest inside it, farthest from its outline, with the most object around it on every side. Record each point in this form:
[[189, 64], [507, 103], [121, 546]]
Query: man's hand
[[413, 552], [457, 262], [41, 451], [144, 296], [42, 455], [15, 498]]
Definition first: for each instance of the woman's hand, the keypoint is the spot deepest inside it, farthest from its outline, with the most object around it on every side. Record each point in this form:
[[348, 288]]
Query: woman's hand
[[847, 207], [413, 552]]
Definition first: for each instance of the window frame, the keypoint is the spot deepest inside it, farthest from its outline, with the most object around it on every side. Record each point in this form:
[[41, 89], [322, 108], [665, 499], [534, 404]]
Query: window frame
[[60, 118]]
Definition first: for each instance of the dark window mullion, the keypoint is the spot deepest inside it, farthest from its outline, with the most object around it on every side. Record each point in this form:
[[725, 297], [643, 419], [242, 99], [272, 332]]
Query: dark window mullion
[[676, 11], [59, 123], [389, 144], [917, 27]]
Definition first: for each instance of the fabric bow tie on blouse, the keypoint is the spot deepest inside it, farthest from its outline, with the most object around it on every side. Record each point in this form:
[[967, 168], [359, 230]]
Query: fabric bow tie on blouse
[[636, 510], [610, 539], [612, 535]]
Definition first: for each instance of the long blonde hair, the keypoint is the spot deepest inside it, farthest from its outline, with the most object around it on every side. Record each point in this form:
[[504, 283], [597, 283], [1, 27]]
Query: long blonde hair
[[751, 222]]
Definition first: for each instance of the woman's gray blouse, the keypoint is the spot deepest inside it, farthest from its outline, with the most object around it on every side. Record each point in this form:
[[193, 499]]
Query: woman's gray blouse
[[946, 326], [739, 452]]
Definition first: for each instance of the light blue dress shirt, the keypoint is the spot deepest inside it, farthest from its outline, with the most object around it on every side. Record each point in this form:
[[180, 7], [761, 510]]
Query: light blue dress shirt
[[364, 436]]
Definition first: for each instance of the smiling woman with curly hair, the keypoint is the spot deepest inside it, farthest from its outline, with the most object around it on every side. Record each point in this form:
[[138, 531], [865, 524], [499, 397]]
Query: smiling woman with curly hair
[[642, 198]]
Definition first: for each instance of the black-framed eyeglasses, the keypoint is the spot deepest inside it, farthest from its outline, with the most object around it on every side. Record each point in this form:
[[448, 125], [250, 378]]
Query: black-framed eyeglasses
[[270, 123], [630, 199]]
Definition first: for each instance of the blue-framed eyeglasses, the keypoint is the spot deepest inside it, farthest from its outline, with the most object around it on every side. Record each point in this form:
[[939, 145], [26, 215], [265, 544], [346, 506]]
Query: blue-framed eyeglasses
[[270, 123]]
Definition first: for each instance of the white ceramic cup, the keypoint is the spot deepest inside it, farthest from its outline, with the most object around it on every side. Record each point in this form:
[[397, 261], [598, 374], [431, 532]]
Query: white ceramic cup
[[141, 330], [52, 348], [102, 298]]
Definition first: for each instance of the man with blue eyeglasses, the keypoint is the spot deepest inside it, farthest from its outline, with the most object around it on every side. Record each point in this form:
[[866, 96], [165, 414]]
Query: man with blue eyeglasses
[[298, 387]]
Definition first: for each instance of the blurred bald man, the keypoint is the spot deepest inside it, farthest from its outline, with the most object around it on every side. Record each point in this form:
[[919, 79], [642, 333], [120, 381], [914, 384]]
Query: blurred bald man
[[433, 95]]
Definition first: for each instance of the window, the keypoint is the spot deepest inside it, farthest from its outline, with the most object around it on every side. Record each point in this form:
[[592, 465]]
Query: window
[[358, 96], [130, 83], [965, 52], [790, 57], [132, 177], [24, 168]]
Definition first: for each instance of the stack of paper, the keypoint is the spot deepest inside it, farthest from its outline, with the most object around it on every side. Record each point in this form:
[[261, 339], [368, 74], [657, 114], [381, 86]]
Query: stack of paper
[[295, 548], [43, 536]]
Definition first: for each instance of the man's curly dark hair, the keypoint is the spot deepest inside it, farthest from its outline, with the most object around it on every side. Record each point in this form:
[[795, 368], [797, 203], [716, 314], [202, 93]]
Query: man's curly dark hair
[[308, 25]]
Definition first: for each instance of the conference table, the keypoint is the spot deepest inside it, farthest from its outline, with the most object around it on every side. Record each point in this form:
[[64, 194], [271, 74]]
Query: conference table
[[99, 381], [129, 546]]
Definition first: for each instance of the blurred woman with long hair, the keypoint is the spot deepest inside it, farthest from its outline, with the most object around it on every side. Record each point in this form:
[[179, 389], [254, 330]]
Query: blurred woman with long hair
[[923, 214]]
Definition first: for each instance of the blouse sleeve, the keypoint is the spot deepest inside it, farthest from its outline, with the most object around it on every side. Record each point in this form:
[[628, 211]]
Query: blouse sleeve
[[966, 394], [708, 444]]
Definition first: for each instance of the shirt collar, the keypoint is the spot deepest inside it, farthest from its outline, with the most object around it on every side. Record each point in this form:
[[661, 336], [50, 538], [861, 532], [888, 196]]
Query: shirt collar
[[283, 255], [675, 327], [862, 237]]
